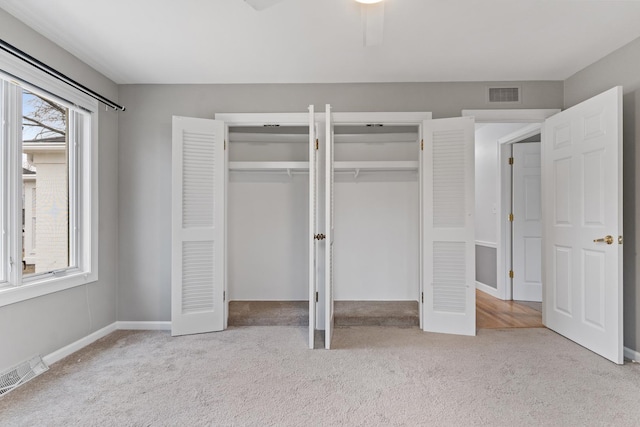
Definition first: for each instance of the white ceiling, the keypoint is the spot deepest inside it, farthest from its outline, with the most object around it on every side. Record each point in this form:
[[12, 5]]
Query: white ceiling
[[320, 41]]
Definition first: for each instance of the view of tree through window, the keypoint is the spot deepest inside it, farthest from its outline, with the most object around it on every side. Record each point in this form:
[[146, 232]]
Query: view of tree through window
[[45, 185]]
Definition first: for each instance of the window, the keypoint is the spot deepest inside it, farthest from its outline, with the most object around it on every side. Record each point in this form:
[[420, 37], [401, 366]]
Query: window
[[46, 167], [48, 182]]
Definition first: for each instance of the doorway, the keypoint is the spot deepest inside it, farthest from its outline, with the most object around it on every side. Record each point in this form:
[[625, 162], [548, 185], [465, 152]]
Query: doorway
[[508, 275]]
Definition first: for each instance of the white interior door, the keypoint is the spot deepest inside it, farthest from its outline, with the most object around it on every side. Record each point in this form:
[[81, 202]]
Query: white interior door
[[448, 242], [527, 222], [197, 230], [582, 217], [313, 203], [328, 219]]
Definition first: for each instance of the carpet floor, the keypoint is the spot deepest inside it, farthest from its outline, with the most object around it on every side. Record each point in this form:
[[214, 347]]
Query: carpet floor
[[265, 375]]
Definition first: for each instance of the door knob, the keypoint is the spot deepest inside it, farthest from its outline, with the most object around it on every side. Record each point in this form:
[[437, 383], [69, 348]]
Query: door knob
[[606, 239]]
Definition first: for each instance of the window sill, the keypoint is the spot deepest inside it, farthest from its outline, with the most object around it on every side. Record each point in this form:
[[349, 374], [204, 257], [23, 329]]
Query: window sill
[[44, 286]]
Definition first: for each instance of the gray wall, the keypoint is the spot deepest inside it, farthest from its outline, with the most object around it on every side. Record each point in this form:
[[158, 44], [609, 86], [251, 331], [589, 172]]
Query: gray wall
[[622, 67], [145, 156], [43, 325], [486, 261]]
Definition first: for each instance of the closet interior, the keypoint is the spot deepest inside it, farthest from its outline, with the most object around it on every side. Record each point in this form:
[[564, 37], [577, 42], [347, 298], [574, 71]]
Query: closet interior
[[376, 220], [268, 225]]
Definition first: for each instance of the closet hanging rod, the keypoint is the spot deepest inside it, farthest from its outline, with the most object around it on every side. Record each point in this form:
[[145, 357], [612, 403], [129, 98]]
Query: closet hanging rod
[[358, 171], [12, 50]]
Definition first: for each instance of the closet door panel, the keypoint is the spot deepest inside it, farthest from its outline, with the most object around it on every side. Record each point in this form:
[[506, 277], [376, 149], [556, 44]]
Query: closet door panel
[[448, 255], [329, 237], [313, 206], [198, 219]]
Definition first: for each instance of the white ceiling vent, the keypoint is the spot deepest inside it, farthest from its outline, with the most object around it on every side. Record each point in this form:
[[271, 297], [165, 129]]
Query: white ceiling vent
[[503, 95]]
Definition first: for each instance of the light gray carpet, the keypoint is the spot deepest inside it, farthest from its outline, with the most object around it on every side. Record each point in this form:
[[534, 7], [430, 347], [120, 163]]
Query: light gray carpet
[[264, 375]]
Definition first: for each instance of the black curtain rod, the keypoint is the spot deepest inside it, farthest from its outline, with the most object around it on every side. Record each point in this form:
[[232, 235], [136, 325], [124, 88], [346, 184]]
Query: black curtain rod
[[55, 73]]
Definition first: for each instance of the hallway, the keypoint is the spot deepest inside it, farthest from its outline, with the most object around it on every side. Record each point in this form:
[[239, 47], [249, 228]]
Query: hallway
[[494, 313]]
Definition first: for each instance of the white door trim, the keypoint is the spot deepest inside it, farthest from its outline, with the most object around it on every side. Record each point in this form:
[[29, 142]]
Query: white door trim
[[259, 120], [535, 117], [504, 237], [511, 116]]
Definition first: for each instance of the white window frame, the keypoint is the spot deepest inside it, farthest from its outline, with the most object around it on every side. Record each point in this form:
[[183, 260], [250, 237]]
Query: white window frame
[[83, 227]]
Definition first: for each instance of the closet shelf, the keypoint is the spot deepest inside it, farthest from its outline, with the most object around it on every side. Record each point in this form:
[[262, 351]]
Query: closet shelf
[[376, 166], [269, 166]]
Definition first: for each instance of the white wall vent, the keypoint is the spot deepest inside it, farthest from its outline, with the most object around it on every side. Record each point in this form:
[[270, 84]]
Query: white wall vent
[[504, 95], [18, 375]]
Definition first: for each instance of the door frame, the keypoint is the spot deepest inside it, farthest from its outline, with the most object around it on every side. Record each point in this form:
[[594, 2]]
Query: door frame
[[249, 120], [505, 203], [503, 246], [414, 118]]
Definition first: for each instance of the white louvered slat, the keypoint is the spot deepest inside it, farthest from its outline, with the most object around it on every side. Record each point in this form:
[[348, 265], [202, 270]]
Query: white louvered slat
[[198, 285], [449, 277], [447, 226], [448, 179], [197, 271], [198, 180]]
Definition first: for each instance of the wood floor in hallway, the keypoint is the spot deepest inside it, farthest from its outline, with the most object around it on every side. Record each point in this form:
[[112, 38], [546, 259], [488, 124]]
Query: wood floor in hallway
[[494, 313]]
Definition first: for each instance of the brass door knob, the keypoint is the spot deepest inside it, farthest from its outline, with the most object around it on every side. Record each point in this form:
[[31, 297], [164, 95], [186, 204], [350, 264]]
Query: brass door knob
[[606, 239]]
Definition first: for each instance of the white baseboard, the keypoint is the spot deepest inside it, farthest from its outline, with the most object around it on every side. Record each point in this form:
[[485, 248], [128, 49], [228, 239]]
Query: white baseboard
[[65, 351], [85, 341], [487, 289], [632, 355], [144, 326], [77, 345], [486, 244]]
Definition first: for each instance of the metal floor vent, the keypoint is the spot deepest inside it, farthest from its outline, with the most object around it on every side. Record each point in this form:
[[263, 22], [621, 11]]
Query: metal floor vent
[[22, 373]]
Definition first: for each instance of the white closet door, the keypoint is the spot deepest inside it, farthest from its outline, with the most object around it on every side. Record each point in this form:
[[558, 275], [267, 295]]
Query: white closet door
[[313, 205], [421, 172], [328, 218], [197, 246], [527, 223], [582, 203], [448, 226]]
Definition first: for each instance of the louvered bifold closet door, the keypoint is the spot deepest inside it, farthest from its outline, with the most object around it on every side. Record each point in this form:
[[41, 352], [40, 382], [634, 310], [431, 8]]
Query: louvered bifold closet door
[[313, 208], [448, 226], [328, 228], [197, 247]]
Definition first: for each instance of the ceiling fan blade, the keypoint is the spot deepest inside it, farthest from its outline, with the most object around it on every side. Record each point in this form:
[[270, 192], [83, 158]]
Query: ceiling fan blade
[[261, 4], [373, 23]]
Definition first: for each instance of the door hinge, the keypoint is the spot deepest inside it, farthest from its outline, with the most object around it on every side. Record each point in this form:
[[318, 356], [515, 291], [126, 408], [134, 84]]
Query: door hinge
[[225, 144], [510, 217], [316, 296], [224, 295], [317, 144], [422, 144], [510, 274], [511, 161], [319, 236], [422, 297]]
